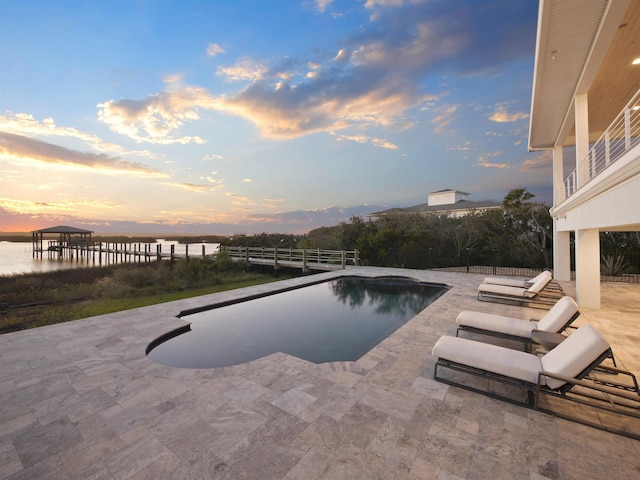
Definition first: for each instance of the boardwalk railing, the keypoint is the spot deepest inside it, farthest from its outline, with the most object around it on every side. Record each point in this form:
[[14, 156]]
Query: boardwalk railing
[[304, 258]]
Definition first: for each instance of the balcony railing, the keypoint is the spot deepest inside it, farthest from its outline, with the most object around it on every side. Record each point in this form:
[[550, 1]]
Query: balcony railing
[[621, 136]]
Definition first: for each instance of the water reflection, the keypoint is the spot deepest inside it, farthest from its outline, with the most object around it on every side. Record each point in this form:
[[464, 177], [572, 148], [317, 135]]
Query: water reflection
[[339, 320], [385, 295]]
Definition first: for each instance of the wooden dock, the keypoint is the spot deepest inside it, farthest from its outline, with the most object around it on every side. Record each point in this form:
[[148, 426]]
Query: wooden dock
[[108, 253], [104, 253]]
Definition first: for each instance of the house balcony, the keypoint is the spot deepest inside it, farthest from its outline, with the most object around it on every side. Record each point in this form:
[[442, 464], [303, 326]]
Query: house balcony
[[611, 167]]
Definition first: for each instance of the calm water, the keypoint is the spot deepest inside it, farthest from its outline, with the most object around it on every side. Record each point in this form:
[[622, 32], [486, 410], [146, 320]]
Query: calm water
[[17, 257], [340, 320]]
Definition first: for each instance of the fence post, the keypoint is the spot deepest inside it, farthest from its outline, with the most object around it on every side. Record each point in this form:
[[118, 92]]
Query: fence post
[[275, 259], [467, 259], [495, 259], [344, 260]]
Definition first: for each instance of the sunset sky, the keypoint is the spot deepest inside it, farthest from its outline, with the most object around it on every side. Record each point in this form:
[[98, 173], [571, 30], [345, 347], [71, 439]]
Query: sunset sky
[[248, 116]]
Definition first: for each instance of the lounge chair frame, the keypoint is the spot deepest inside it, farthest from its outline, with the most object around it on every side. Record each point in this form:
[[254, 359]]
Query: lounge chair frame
[[616, 397], [542, 299]]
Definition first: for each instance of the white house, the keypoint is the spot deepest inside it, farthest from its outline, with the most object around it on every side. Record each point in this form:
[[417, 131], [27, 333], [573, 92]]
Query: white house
[[586, 95], [452, 203]]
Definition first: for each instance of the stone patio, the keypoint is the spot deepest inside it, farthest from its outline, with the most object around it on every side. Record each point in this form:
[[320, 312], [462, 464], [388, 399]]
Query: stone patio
[[81, 401]]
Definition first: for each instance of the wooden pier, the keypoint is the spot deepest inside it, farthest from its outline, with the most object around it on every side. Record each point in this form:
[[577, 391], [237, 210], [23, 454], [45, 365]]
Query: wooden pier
[[107, 253], [104, 253], [76, 244]]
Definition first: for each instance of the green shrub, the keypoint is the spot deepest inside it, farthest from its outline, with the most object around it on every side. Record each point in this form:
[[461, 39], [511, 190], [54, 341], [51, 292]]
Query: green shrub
[[612, 264], [111, 287]]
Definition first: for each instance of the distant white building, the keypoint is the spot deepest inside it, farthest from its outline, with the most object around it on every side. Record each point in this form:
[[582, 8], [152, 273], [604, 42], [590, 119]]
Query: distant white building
[[446, 197], [452, 203]]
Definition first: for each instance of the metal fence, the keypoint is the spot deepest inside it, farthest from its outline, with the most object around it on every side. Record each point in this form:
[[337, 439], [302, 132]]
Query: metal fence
[[614, 266]]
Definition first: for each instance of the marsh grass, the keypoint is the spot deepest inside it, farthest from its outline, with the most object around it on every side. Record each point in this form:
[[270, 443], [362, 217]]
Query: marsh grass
[[34, 300]]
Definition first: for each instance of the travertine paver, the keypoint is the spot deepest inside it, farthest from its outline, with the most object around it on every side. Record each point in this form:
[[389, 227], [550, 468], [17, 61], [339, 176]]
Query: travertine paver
[[81, 401]]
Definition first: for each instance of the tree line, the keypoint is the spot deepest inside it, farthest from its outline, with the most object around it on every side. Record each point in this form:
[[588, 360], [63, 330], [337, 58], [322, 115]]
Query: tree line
[[520, 234]]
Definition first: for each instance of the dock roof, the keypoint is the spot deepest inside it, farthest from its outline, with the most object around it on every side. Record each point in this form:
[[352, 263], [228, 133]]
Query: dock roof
[[63, 229]]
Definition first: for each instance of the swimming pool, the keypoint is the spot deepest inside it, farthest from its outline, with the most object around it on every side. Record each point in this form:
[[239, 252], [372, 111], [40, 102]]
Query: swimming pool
[[337, 320]]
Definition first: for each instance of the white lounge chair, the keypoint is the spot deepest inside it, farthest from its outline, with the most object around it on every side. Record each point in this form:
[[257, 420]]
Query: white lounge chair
[[514, 282], [564, 372], [534, 296], [556, 320]]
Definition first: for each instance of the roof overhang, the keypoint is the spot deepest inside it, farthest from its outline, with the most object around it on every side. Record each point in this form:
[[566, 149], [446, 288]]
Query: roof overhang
[[574, 38]]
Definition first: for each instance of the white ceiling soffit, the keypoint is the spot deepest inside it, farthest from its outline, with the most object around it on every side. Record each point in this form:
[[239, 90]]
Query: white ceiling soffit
[[573, 38]]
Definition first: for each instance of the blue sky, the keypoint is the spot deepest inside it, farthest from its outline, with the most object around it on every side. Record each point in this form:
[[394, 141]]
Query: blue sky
[[259, 116]]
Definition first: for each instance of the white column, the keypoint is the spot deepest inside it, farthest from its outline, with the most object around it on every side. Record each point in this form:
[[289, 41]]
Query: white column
[[561, 240], [582, 138], [561, 255], [558, 176], [588, 268]]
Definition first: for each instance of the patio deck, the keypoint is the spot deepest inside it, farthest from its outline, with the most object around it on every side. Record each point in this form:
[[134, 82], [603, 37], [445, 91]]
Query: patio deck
[[81, 401]]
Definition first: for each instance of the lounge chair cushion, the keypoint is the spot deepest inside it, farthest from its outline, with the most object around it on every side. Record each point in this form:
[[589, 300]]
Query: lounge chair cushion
[[553, 321], [541, 282], [497, 323], [510, 282], [491, 358], [507, 282], [574, 355], [503, 291], [556, 318]]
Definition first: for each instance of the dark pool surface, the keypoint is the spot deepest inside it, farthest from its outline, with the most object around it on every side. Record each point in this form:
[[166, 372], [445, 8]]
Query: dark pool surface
[[339, 320]]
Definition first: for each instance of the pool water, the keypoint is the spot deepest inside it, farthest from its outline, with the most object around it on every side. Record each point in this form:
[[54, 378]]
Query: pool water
[[338, 320]]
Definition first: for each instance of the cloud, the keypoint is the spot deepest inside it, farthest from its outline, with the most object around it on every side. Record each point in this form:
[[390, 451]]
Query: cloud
[[376, 77], [501, 115], [384, 3], [18, 149], [213, 156], [541, 162], [199, 187], [377, 142], [245, 69], [26, 124], [443, 120], [214, 49], [322, 5], [155, 118], [382, 143], [482, 162], [238, 199], [72, 206], [462, 148]]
